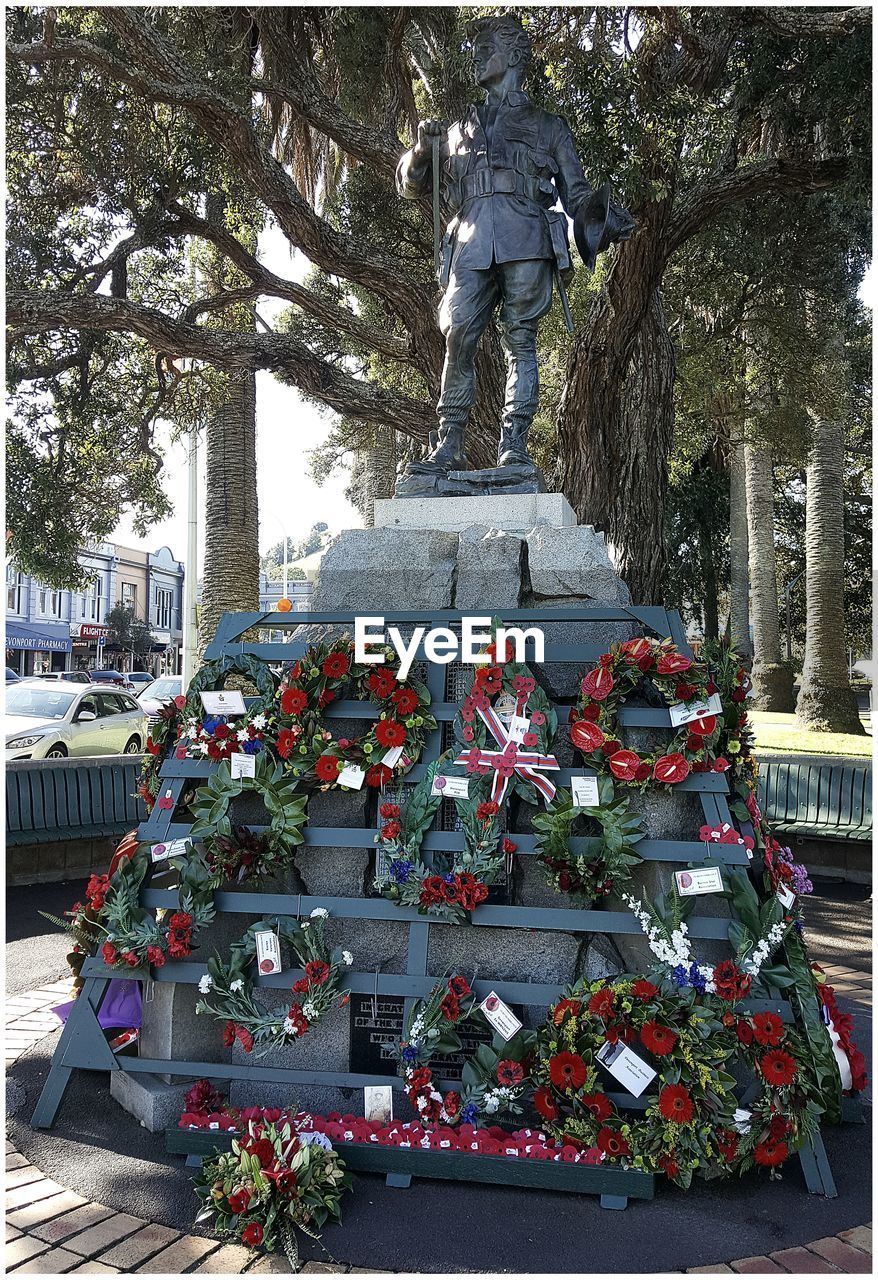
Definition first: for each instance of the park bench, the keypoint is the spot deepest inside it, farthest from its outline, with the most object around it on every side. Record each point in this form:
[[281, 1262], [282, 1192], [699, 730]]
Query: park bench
[[48, 800], [817, 797]]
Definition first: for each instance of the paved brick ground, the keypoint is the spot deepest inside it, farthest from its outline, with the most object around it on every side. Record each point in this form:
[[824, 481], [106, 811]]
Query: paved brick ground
[[52, 1231]]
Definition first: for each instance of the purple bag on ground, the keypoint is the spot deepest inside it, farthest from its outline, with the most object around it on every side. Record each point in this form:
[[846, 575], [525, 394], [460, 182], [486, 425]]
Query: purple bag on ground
[[121, 1005]]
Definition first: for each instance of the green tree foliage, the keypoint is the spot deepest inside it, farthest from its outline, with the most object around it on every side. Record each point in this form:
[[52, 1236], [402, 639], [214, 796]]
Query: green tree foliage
[[126, 631]]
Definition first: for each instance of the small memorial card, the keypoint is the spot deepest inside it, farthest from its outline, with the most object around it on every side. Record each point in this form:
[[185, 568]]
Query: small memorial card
[[742, 1120], [352, 776], [629, 1069], [684, 712], [223, 702], [241, 765], [698, 880], [585, 792], [450, 788], [268, 951], [786, 896], [170, 849], [378, 1103], [504, 707], [393, 756], [518, 727], [500, 1016]]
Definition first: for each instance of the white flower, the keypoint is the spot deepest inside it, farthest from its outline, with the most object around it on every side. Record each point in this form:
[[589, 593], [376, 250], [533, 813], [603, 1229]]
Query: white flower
[[319, 913], [347, 958], [310, 1011], [289, 1027], [259, 721], [205, 982], [237, 985], [242, 735], [491, 1105]]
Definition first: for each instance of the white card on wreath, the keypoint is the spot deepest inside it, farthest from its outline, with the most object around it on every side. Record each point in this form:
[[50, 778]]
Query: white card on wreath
[[518, 727], [223, 702], [393, 757], [170, 849], [353, 776], [450, 788], [698, 880], [504, 707], [378, 1103], [267, 952], [585, 792], [500, 1016], [241, 765], [626, 1066], [684, 712], [786, 896]]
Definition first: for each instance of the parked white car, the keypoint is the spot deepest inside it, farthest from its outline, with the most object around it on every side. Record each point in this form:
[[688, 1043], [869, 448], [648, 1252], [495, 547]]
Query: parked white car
[[155, 695], [50, 719]]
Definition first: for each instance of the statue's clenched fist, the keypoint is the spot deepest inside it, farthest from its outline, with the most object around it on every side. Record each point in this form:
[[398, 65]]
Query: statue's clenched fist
[[427, 131]]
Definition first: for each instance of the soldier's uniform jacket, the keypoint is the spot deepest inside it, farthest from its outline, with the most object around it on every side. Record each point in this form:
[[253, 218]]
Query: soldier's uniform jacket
[[502, 191]]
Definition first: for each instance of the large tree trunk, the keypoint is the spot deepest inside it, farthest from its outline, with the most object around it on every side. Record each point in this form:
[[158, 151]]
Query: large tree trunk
[[616, 417], [374, 475], [231, 512], [826, 701], [772, 682], [739, 552]]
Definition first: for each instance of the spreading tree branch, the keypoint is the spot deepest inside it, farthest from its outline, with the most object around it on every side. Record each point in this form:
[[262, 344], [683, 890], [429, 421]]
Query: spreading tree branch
[[798, 23]]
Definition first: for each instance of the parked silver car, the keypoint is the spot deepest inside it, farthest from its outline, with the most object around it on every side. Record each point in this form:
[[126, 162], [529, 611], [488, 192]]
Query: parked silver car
[[49, 719], [155, 695]]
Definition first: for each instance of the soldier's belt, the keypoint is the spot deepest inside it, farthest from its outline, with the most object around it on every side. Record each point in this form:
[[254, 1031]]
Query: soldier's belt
[[488, 182]]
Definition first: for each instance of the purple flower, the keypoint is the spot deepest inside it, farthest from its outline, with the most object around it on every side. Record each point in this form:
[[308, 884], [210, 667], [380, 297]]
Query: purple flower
[[400, 870], [410, 1054], [696, 980], [469, 1113], [681, 976]]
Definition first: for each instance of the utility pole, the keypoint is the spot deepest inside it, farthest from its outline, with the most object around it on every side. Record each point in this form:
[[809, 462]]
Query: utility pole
[[190, 579]]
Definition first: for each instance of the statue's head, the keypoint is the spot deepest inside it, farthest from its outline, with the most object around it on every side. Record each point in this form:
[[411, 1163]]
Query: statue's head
[[500, 45]]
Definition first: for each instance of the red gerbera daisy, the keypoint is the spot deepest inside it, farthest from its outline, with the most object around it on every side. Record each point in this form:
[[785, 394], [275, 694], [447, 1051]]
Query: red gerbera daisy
[[768, 1028], [778, 1067], [567, 1071], [644, 990], [658, 1039], [406, 701], [770, 1153], [390, 733], [382, 682], [327, 768], [293, 701], [545, 1104], [675, 1104], [668, 1165], [612, 1143], [601, 1003], [599, 1105], [336, 665], [565, 1007]]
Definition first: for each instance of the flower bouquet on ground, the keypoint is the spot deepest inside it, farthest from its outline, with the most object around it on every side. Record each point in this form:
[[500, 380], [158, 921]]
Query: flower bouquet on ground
[[272, 1181]]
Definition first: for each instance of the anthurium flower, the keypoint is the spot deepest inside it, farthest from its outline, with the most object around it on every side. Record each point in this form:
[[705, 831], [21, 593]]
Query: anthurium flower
[[598, 684], [623, 765], [586, 737], [670, 769]]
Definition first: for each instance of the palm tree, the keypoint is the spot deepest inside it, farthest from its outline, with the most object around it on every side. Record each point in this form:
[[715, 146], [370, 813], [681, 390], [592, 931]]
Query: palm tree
[[826, 701], [772, 682]]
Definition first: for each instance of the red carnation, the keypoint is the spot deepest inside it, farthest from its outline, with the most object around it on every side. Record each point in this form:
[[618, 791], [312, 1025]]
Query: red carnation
[[567, 1071], [768, 1028], [244, 1038], [336, 665], [777, 1067], [545, 1104], [389, 810], [591, 712], [155, 956], [109, 953], [658, 1039], [671, 769], [390, 733], [229, 1034], [624, 764], [675, 1104], [586, 737], [406, 701], [252, 1234], [644, 990], [451, 1103], [317, 972], [598, 684], [327, 768], [612, 1143], [769, 1154], [390, 830], [670, 663], [487, 809], [509, 1072], [684, 692], [598, 1104], [131, 959]]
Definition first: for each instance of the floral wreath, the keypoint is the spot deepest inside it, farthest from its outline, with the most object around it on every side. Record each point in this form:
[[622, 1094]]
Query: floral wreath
[[230, 986], [187, 709], [221, 737], [308, 746], [487, 745], [588, 876], [446, 892], [692, 1123], [134, 936], [228, 850], [595, 726]]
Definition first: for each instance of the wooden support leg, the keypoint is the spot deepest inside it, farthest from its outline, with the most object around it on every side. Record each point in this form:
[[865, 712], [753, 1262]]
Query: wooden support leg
[[614, 1202], [84, 1008], [815, 1166]]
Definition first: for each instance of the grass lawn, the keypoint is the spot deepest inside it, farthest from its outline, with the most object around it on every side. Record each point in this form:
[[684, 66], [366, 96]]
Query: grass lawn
[[778, 731]]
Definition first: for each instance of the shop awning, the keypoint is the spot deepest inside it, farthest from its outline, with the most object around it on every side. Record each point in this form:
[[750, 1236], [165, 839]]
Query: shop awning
[[34, 635]]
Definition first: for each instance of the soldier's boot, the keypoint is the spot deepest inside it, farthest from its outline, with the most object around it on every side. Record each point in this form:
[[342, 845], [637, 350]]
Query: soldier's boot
[[449, 452], [512, 449]]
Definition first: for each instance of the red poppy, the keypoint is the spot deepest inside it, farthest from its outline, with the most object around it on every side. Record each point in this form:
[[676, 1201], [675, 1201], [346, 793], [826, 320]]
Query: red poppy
[[624, 764], [671, 769], [563, 1007], [336, 665], [252, 1234], [545, 1104], [229, 1034], [778, 1067], [567, 1071], [730, 983], [317, 972], [601, 1003], [658, 1039], [670, 663], [406, 701], [509, 1072], [612, 1143], [509, 846], [720, 765], [244, 1038], [675, 1104], [598, 684], [599, 1105], [644, 990], [459, 985], [768, 1028], [109, 953], [293, 701], [328, 768], [769, 1154], [301, 986], [449, 1007], [586, 737], [469, 891]]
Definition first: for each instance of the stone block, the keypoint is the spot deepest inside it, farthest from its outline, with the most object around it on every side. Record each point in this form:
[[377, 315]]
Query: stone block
[[365, 570], [489, 566], [572, 564], [171, 1029], [153, 1101], [511, 955], [514, 512]]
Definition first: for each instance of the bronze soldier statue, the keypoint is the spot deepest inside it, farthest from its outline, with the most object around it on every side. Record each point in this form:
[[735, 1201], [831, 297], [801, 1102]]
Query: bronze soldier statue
[[503, 167]]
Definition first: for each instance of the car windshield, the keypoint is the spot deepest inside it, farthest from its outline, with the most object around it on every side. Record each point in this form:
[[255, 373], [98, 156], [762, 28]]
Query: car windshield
[[43, 703], [162, 689]]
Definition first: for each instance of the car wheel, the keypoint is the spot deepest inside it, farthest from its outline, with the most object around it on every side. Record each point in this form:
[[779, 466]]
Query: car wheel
[[56, 753], [132, 747]]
